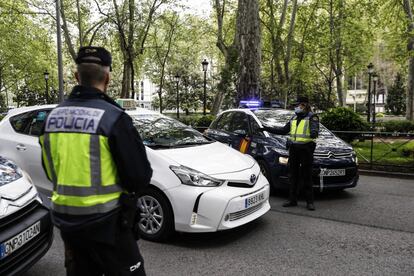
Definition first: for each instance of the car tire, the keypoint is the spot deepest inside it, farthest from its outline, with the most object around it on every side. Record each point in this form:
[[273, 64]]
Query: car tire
[[264, 169], [156, 218]]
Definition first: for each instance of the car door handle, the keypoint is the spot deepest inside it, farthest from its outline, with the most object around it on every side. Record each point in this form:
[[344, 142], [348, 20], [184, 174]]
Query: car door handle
[[21, 147]]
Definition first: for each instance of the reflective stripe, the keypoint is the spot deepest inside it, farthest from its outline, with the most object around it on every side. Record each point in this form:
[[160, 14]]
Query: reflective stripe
[[87, 191], [86, 210], [95, 161], [46, 144]]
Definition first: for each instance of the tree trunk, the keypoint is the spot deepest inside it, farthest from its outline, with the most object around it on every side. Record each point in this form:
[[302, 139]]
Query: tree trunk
[[126, 81], [249, 47], [290, 41], [410, 47]]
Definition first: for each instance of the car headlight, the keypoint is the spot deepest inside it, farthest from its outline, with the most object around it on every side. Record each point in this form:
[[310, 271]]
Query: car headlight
[[195, 178], [9, 172], [283, 160]]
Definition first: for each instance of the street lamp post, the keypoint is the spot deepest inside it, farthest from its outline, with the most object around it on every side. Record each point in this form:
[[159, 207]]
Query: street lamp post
[[177, 80], [375, 79], [370, 72], [205, 67], [46, 75]]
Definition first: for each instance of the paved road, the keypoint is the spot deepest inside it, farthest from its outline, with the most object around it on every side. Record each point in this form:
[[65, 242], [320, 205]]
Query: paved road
[[368, 230]]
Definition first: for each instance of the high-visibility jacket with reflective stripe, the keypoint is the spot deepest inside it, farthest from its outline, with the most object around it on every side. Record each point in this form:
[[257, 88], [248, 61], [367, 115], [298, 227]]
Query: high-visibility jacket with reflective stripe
[[300, 133], [77, 157]]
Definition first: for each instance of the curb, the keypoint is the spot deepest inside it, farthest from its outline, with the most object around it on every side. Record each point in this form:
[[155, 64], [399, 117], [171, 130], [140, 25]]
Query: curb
[[387, 174]]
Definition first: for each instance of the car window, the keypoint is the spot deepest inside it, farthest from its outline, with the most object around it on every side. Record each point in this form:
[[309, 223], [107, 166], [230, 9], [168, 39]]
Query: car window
[[160, 131], [255, 127], [240, 123], [20, 122], [29, 123], [224, 123], [37, 122]]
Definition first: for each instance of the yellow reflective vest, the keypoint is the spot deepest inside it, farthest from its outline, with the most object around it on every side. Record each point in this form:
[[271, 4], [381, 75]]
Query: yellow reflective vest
[[300, 133], [77, 157]]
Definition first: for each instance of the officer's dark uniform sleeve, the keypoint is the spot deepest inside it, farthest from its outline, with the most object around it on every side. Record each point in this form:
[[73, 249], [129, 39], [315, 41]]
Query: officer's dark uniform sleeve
[[314, 126], [278, 130], [129, 155]]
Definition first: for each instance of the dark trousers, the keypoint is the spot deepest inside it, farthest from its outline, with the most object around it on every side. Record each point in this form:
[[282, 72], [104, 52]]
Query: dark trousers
[[84, 256], [300, 169]]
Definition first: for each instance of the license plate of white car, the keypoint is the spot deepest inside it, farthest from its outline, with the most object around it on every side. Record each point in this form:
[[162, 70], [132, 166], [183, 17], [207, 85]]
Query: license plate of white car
[[332, 172], [254, 200], [16, 242]]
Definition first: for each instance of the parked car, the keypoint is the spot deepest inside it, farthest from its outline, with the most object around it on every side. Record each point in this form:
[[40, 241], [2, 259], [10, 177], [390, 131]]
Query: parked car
[[26, 231], [198, 185], [335, 163]]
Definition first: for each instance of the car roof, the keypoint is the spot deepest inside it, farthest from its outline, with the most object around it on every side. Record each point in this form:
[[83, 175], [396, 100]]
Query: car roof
[[19, 110], [137, 111], [252, 111]]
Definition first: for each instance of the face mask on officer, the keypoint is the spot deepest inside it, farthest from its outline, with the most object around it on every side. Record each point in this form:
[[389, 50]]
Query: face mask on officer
[[299, 109]]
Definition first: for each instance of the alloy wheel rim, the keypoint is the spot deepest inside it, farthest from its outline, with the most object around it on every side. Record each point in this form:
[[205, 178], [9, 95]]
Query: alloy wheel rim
[[151, 215]]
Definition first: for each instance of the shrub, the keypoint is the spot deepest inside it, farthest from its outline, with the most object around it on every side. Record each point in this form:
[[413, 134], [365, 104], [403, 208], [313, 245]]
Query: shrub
[[379, 115], [197, 121], [344, 119], [2, 116], [399, 126], [408, 149]]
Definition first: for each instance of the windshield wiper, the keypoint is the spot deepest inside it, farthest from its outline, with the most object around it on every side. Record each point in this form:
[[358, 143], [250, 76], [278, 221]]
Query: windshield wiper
[[165, 146], [193, 143]]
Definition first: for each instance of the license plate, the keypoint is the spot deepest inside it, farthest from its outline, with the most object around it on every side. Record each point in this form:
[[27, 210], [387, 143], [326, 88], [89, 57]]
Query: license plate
[[254, 200], [13, 244], [332, 172]]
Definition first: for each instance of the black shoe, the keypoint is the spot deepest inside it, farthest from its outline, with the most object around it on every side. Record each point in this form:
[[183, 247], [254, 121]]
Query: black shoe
[[310, 207], [290, 204]]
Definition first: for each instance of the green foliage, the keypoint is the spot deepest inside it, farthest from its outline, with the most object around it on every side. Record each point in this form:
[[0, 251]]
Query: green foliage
[[3, 107], [396, 97], [197, 120], [399, 126], [408, 149], [344, 119]]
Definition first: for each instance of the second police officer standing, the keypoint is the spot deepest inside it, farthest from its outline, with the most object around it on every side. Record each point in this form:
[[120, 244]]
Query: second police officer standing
[[303, 129], [98, 165]]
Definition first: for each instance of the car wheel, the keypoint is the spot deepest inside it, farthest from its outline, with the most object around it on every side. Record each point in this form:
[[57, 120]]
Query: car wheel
[[264, 169], [155, 216]]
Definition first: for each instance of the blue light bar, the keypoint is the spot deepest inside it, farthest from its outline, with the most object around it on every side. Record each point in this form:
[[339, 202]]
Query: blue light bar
[[250, 104]]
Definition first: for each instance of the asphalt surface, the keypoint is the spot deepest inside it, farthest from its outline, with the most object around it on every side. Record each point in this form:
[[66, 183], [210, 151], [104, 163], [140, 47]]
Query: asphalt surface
[[368, 230]]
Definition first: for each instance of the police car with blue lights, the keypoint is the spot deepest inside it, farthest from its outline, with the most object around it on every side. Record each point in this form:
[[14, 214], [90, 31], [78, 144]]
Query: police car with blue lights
[[335, 162], [198, 185]]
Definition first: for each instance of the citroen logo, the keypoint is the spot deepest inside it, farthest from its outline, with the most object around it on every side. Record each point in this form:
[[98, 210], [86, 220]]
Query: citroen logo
[[253, 178], [331, 154]]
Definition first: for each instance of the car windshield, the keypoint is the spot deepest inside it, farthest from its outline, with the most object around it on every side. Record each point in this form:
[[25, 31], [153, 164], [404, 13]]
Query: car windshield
[[279, 118], [158, 131]]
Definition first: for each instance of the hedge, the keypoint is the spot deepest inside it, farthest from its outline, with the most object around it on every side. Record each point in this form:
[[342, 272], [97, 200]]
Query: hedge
[[398, 126], [344, 119]]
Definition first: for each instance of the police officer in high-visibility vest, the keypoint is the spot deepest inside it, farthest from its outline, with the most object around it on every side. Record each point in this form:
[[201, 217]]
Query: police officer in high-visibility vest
[[303, 129], [98, 165]]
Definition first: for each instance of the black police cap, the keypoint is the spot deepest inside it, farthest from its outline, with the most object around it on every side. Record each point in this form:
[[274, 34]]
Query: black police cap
[[91, 54], [302, 99]]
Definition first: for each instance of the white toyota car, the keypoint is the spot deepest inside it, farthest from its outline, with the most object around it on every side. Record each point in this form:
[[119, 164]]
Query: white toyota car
[[197, 185]]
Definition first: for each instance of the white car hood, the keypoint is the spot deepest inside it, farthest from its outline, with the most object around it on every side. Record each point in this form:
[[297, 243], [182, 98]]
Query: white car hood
[[210, 159]]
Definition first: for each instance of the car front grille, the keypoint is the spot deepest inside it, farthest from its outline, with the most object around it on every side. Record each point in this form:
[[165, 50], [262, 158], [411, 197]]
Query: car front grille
[[20, 214], [240, 185], [25, 256], [244, 213], [332, 155]]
